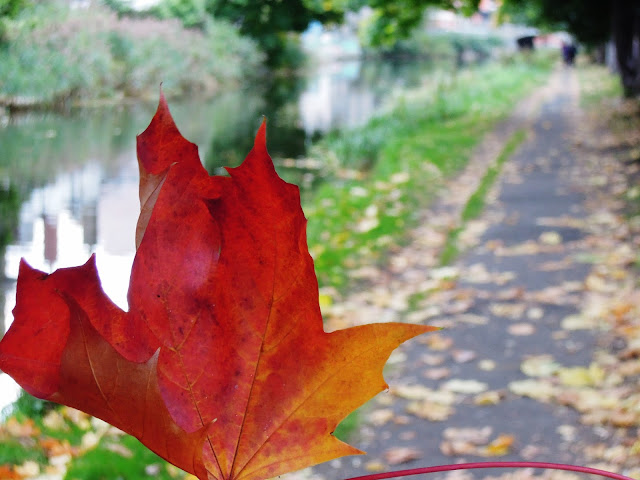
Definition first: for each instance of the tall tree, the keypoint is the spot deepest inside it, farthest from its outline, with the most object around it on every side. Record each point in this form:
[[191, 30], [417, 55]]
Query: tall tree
[[591, 22], [393, 20], [268, 21], [10, 9]]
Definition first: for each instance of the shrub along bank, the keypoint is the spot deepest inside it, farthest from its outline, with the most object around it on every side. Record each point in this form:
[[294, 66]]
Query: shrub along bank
[[53, 54]]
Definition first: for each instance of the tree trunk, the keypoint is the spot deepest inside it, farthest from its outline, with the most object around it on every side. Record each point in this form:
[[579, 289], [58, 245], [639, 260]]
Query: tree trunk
[[625, 23]]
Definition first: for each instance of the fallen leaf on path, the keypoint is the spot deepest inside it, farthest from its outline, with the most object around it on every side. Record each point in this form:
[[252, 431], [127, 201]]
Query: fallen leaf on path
[[465, 386], [380, 417], [436, 373], [465, 441], [407, 436], [597, 283], [521, 329], [579, 322], [487, 365], [537, 389], [535, 313], [492, 397], [463, 356], [550, 238], [375, 466], [428, 410], [432, 359], [581, 376], [400, 455], [539, 366], [508, 310], [470, 319], [438, 342], [477, 436], [500, 446], [411, 392]]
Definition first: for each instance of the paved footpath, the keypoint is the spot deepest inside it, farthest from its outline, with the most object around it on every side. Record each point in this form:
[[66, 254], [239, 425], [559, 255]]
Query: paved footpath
[[512, 374]]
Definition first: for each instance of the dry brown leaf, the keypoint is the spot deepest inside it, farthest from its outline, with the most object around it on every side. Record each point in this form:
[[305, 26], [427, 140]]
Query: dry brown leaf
[[465, 386], [437, 373], [463, 356], [537, 389], [400, 455], [521, 329], [492, 397], [581, 376], [432, 411], [476, 436], [381, 416], [457, 447], [437, 341], [508, 310], [550, 238], [539, 366], [411, 392]]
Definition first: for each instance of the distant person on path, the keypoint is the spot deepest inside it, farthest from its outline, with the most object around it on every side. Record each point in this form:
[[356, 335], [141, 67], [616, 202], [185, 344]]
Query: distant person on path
[[569, 51]]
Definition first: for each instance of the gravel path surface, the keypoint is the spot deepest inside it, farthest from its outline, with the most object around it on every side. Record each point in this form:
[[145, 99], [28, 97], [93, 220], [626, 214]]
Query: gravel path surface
[[529, 365]]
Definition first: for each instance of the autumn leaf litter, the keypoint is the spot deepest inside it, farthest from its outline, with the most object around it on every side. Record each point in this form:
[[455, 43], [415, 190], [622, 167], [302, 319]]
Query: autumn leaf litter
[[585, 377]]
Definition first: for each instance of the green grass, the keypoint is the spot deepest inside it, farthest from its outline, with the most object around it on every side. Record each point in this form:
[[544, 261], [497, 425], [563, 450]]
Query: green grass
[[348, 426], [476, 202], [380, 176], [124, 458]]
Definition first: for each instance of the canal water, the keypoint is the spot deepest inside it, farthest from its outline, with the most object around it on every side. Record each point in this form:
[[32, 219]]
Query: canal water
[[69, 183]]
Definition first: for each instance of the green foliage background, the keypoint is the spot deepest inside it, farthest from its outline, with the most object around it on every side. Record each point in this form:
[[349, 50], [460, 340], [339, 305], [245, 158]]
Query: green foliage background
[[53, 54]]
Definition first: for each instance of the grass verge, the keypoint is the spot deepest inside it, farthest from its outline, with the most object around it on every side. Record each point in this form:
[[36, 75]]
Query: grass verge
[[476, 202]]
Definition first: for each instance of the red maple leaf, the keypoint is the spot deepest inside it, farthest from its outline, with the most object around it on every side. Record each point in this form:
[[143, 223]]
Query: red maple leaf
[[221, 364]]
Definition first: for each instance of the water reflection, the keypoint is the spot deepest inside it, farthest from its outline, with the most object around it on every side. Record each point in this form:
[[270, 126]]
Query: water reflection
[[68, 184]]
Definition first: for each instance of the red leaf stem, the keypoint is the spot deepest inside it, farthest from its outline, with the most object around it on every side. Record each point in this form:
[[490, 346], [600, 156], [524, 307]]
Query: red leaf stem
[[478, 465]]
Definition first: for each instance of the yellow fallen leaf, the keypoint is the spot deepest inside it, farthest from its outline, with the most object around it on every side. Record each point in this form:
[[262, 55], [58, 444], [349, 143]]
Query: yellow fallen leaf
[[381, 416], [491, 397], [375, 466], [581, 376], [465, 386], [539, 366], [500, 446], [434, 412], [550, 238], [536, 389]]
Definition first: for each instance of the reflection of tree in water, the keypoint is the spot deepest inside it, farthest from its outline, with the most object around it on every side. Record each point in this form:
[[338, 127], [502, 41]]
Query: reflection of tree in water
[[10, 201], [9, 207], [234, 135]]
